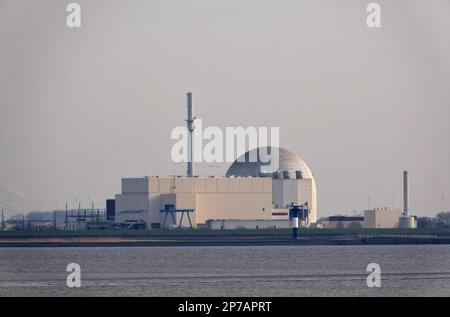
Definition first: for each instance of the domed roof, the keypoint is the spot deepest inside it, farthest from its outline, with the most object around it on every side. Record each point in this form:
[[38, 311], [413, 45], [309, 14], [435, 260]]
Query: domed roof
[[289, 163]]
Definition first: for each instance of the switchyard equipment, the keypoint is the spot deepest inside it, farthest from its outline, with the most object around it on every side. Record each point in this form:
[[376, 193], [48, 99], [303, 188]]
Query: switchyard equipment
[[81, 219]]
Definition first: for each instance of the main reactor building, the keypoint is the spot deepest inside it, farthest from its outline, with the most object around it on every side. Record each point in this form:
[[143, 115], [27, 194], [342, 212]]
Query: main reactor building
[[243, 198]]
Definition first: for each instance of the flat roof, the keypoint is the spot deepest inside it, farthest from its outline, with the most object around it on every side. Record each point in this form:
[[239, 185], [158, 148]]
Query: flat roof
[[345, 218]]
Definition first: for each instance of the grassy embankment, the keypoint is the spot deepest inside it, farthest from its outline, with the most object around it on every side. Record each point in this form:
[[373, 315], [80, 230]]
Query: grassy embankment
[[200, 232]]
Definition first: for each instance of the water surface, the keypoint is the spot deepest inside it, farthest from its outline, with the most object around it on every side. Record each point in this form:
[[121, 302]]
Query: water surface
[[407, 270]]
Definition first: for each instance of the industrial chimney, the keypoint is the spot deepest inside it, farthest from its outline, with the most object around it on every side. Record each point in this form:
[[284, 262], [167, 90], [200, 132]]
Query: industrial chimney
[[190, 127], [405, 193]]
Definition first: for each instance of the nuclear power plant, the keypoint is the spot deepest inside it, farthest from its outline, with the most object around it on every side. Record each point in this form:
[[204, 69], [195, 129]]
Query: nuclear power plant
[[245, 197], [268, 187]]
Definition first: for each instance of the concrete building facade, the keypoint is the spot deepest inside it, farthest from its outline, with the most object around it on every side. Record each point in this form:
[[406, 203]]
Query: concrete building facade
[[231, 224], [292, 191], [342, 222], [142, 199], [382, 218], [293, 181], [245, 193]]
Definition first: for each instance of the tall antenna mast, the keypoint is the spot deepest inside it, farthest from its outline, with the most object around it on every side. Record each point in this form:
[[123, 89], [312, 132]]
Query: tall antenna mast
[[190, 128]]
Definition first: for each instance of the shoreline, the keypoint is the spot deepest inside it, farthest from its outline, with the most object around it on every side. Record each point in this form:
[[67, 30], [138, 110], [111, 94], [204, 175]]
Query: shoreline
[[238, 238]]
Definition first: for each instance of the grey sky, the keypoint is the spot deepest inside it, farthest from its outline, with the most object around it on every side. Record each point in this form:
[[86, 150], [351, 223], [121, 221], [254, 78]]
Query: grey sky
[[79, 109]]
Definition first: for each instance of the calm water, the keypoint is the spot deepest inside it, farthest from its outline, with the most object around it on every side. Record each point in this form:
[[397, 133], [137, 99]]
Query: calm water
[[227, 271]]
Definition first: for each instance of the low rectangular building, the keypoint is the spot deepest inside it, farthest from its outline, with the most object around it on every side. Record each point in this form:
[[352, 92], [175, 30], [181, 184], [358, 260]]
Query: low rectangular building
[[343, 222], [231, 224], [142, 199], [294, 191], [382, 218]]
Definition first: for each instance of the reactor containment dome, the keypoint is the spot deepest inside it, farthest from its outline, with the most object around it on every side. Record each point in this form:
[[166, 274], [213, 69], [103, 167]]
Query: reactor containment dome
[[290, 167]]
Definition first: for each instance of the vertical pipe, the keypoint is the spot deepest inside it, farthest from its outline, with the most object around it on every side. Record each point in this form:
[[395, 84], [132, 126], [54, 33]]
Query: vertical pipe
[[190, 127], [405, 193]]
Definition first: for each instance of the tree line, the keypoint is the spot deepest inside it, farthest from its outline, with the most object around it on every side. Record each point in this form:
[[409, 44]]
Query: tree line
[[442, 220]]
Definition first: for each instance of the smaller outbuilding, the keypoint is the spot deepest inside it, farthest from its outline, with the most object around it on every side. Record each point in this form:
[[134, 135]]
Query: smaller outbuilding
[[343, 222]]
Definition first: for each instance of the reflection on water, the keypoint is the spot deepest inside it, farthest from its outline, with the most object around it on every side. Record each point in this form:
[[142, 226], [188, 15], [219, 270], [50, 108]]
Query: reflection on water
[[413, 270]]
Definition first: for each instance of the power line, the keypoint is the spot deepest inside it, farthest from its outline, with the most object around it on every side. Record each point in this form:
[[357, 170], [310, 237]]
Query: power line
[[13, 196], [10, 211], [9, 214], [10, 207]]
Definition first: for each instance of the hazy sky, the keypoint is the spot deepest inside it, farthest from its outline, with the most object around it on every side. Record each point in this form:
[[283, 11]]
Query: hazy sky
[[79, 109]]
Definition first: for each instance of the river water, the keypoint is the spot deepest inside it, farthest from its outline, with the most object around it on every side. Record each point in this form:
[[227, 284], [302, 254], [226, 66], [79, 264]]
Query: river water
[[406, 270]]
